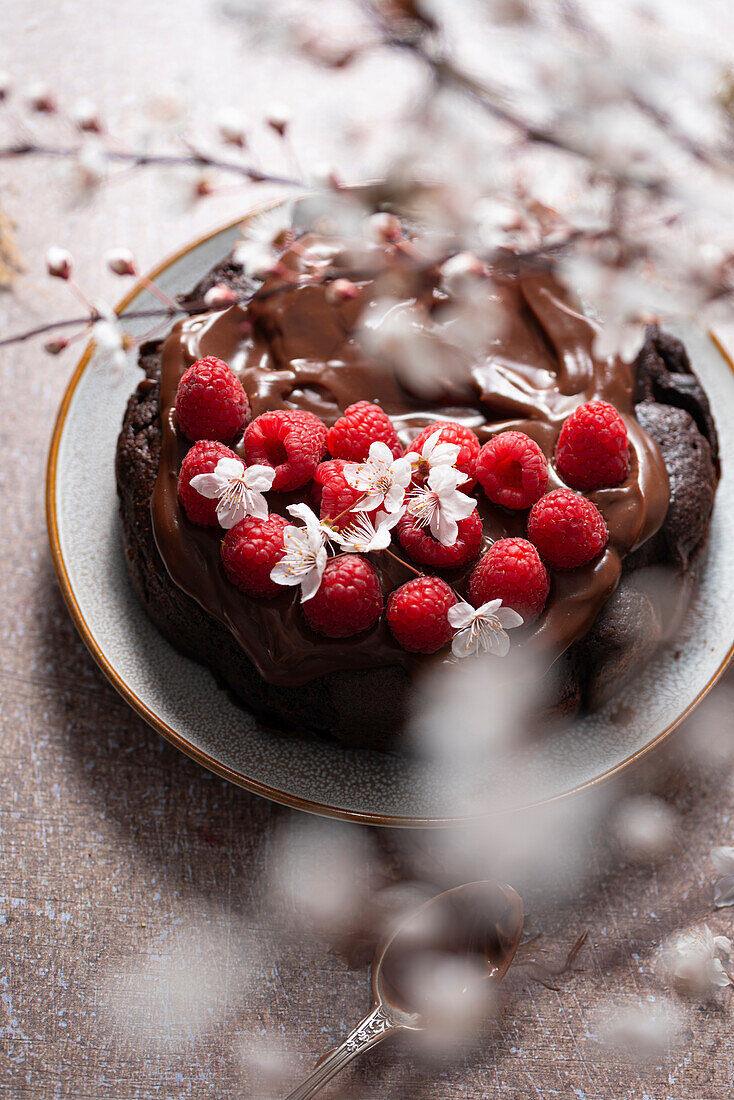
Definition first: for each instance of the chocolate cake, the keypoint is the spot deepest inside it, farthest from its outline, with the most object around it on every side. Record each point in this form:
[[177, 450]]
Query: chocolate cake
[[295, 346]]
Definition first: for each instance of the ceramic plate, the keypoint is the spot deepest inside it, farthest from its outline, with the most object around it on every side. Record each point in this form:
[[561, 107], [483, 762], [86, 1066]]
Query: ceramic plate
[[179, 698]]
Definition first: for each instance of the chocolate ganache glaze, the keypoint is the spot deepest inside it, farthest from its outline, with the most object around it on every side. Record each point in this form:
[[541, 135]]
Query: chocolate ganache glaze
[[294, 347]]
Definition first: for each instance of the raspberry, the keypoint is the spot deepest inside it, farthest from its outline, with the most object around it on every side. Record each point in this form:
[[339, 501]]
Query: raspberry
[[593, 449], [567, 529], [336, 495], [210, 401], [417, 614], [249, 552], [291, 442], [512, 470], [349, 598], [424, 548], [361, 425], [314, 427], [324, 472], [451, 432], [511, 571], [201, 459]]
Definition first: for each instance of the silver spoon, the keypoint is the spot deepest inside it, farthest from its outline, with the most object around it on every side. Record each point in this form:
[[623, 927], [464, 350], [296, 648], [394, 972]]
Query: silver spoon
[[480, 920]]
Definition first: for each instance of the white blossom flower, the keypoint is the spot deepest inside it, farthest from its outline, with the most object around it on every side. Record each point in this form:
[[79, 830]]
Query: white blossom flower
[[460, 270], [255, 252], [59, 262], [383, 478], [232, 126], [6, 84], [439, 505], [305, 553], [39, 97], [696, 960], [435, 453], [723, 860], [110, 339], [220, 296], [364, 534], [120, 261], [278, 116], [493, 219], [482, 629], [237, 488], [85, 116], [383, 228], [91, 165]]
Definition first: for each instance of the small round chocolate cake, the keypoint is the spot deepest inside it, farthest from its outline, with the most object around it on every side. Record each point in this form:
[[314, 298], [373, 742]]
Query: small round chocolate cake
[[581, 476]]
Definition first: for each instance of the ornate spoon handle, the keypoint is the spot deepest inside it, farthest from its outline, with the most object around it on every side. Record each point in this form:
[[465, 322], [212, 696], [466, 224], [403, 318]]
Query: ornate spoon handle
[[368, 1033]]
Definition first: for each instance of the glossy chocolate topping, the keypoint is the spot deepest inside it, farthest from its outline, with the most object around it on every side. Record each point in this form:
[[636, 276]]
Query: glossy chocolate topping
[[292, 347]]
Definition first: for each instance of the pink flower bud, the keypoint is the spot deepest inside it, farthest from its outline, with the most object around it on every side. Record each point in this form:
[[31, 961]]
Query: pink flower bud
[[220, 297], [85, 117], [341, 290], [203, 186], [384, 228], [40, 98], [59, 262], [232, 127], [120, 261], [278, 118], [56, 345]]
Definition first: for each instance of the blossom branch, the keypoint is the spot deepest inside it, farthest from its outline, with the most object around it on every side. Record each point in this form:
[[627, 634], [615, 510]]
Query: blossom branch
[[195, 159]]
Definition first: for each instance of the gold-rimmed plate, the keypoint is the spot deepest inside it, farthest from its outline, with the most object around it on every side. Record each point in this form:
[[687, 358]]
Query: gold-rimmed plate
[[179, 698]]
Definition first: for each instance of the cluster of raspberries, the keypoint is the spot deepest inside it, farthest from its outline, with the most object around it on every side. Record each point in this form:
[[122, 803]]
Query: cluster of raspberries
[[565, 529]]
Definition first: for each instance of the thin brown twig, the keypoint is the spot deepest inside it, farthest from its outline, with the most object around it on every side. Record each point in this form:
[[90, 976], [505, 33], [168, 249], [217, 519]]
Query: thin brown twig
[[194, 159]]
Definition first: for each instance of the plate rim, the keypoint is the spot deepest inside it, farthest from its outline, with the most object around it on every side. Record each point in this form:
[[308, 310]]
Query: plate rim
[[180, 742]]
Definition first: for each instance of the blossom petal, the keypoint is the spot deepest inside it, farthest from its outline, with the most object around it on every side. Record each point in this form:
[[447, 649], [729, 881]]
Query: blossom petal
[[281, 574], [488, 609], [722, 858], [461, 615], [311, 583], [371, 501], [259, 477], [380, 452], [230, 512], [508, 618], [724, 892], [208, 485], [302, 511], [444, 527], [722, 944], [228, 468], [443, 478], [257, 505], [351, 472], [463, 644], [430, 444], [718, 976]]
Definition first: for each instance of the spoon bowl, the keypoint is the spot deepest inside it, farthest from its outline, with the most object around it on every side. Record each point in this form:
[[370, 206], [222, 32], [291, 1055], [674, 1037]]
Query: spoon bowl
[[473, 929]]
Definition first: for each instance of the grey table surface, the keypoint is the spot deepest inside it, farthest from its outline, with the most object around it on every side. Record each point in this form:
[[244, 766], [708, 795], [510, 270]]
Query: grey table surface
[[143, 951]]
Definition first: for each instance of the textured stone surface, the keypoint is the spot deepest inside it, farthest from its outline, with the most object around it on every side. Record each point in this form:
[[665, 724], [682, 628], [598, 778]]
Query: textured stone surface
[[132, 883]]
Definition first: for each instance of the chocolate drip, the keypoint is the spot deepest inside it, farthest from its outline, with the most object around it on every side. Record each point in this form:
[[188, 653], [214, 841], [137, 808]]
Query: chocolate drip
[[294, 348]]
